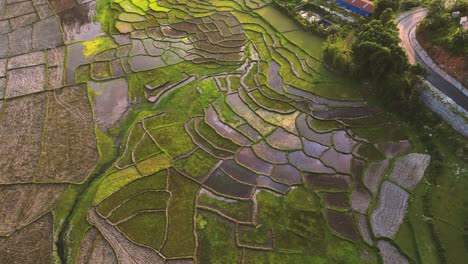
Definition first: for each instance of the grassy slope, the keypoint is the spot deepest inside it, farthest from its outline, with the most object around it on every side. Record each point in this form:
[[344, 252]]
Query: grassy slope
[[448, 202], [433, 228]]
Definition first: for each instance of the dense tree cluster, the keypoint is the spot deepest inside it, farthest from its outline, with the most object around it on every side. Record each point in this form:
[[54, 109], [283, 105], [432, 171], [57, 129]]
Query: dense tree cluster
[[444, 30], [375, 56], [437, 16], [397, 5], [376, 52]]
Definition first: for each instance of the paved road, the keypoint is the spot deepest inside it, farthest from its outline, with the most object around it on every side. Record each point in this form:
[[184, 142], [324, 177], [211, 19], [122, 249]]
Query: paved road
[[405, 26]]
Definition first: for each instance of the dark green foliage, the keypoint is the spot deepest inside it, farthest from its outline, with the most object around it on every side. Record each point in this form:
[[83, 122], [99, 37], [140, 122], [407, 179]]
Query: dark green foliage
[[459, 5], [437, 17], [375, 61], [405, 240], [152, 235], [338, 55], [302, 199], [171, 144], [459, 41], [260, 235], [305, 223], [260, 257], [369, 152], [226, 112], [441, 29], [375, 56], [218, 243], [387, 18], [291, 234], [196, 165], [382, 5], [181, 209], [378, 134], [376, 52], [298, 230], [248, 100], [204, 143], [375, 32], [418, 69], [397, 5]]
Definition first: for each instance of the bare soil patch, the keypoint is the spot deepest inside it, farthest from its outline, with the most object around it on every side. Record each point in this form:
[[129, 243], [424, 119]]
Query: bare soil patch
[[21, 126], [95, 249], [32, 244], [23, 204], [69, 150], [126, 251], [455, 65]]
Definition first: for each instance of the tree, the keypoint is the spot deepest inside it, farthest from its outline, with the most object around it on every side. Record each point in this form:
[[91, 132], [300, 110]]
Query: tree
[[377, 57], [418, 69], [388, 18], [334, 31], [459, 40], [376, 61], [371, 59], [436, 8], [376, 52], [461, 6], [337, 54], [374, 31], [384, 4]]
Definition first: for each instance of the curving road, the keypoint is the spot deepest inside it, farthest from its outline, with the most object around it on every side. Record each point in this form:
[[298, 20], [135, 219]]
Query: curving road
[[406, 25]]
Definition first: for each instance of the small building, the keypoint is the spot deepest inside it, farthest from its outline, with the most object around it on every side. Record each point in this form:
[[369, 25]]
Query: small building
[[464, 23], [310, 16], [362, 7]]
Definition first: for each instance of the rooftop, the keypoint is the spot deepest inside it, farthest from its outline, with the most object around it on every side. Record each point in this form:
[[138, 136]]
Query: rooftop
[[365, 5]]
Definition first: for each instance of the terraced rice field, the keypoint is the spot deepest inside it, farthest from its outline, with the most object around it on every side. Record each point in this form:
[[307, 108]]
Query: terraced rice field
[[175, 131]]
